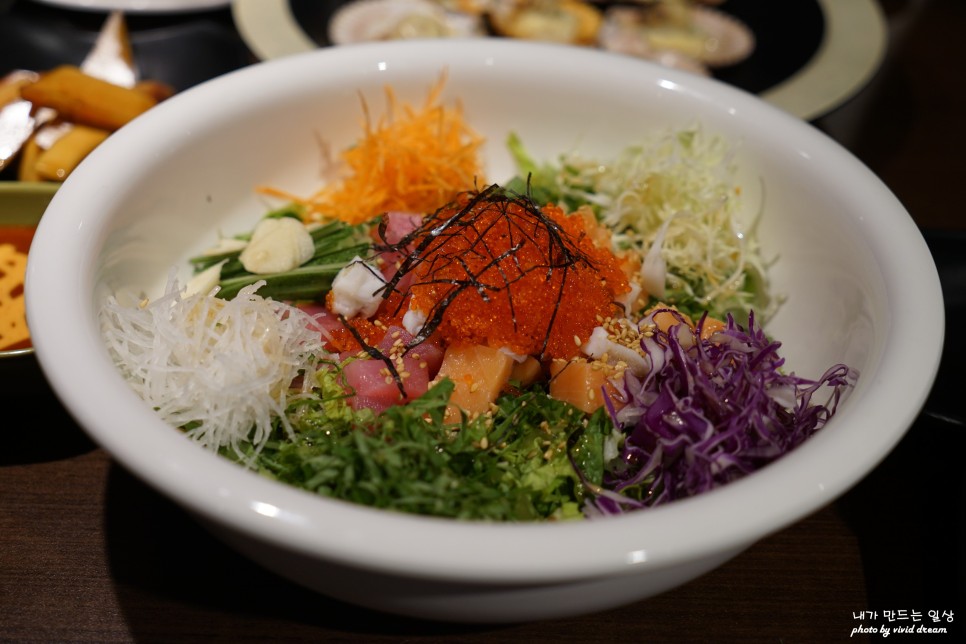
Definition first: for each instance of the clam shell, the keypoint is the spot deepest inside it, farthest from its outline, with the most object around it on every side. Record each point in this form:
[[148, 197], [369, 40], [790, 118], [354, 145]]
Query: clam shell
[[714, 39], [474, 7], [625, 41], [368, 20], [677, 60], [729, 41]]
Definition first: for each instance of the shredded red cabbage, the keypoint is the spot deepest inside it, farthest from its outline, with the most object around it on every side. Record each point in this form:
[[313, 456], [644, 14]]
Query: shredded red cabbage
[[709, 411]]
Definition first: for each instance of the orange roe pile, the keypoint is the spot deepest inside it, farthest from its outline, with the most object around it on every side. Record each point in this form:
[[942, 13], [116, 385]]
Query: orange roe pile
[[503, 273], [371, 331], [414, 160]]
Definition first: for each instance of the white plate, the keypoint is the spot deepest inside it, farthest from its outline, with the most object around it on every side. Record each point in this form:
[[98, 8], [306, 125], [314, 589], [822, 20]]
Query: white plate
[[851, 50], [140, 6]]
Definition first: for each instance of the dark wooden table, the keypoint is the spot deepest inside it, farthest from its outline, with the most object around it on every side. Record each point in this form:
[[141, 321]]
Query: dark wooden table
[[90, 554]]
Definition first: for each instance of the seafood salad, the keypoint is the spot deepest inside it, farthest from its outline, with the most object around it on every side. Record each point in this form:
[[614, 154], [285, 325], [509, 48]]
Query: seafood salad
[[583, 339]]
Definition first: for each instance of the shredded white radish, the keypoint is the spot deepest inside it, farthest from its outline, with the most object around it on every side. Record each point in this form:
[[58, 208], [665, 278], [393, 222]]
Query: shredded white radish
[[219, 368]]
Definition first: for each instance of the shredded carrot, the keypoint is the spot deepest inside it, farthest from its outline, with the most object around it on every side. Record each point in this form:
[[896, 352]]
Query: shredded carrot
[[414, 160]]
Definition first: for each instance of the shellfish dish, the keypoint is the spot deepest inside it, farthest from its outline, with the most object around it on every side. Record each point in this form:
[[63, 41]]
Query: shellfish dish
[[695, 35]]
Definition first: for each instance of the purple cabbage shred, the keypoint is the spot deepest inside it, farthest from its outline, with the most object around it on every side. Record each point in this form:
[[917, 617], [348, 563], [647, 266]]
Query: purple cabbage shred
[[709, 412]]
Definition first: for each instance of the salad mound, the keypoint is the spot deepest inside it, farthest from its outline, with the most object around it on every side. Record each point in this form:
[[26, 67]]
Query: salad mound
[[519, 352]]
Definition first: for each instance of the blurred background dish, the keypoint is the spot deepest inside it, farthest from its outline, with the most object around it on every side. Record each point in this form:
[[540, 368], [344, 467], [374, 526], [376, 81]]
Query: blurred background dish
[[710, 39], [366, 20], [807, 56], [153, 55], [50, 120]]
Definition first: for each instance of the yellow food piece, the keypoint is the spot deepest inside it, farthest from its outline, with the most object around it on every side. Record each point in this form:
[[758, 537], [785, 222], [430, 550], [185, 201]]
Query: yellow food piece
[[479, 373], [689, 43], [12, 83], [86, 100], [155, 89], [580, 382], [55, 163], [29, 153], [664, 320], [527, 372], [564, 21], [13, 322], [712, 326]]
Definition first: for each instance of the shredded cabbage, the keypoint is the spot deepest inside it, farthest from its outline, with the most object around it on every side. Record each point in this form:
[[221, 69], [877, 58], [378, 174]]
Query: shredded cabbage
[[709, 412], [673, 199]]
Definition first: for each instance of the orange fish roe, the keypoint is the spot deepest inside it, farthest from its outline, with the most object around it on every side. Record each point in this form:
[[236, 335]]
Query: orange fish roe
[[371, 331], [496, 270]]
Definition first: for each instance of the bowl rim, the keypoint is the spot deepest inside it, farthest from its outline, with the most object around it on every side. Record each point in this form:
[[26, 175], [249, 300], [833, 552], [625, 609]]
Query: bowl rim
[[221, 492]]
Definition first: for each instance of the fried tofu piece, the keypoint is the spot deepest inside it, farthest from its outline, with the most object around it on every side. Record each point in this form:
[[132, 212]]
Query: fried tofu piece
[[12, 83], [58, 161], [80, 98]]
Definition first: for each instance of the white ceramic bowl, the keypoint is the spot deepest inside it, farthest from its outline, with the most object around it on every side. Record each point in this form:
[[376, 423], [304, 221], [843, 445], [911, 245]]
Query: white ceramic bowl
[[861, 285]]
